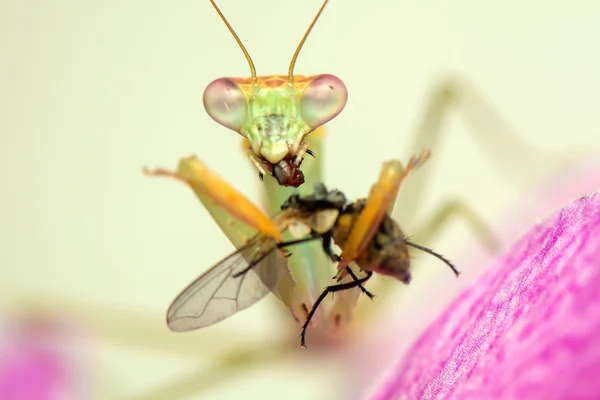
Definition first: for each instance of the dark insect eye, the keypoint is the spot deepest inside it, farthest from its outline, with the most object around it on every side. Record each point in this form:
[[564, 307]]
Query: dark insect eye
[[323, 99], [226, 103]]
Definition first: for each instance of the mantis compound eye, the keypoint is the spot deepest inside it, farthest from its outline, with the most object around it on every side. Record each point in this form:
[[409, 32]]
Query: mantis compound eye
[[226, 103], [323, 99]]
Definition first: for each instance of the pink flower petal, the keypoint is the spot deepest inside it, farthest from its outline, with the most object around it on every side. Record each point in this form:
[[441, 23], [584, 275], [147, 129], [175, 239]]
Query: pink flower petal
[[37, 359], [527, 329], [30, 375]]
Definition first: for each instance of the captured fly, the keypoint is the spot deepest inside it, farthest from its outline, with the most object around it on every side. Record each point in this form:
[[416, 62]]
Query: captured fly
[[370, 239]]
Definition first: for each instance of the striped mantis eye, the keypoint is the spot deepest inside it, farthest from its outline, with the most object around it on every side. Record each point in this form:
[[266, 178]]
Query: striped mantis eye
[[323, 99], [226, 103]]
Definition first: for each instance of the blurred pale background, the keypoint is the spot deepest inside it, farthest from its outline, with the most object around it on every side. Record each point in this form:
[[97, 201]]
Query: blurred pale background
[[93, 91]]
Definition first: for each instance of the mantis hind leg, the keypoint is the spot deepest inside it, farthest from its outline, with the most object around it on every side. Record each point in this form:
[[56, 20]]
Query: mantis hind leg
[[219, 373], [519, 160], [455, 209], [118, 328]]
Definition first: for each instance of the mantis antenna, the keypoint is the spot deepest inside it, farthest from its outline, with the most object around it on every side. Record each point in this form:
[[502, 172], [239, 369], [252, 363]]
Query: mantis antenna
[[239, 42], [314, 21]]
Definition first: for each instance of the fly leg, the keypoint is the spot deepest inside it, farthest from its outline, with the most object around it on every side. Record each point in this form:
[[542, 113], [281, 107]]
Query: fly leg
[[264, 254], [331, 289], [326, 241], [362, 288]]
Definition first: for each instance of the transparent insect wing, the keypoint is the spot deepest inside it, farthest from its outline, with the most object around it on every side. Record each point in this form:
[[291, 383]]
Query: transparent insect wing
[[237, 217], [219, 293], [236, 230]]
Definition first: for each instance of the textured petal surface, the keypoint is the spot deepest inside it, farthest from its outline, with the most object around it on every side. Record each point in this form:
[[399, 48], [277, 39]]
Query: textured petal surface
[[527, 329]]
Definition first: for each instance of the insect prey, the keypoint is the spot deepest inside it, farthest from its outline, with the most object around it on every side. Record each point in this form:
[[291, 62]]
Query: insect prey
[[371, 242]]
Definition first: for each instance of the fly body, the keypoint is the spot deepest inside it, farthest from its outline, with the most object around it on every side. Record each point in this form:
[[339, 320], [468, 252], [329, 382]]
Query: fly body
[[386, 254], [371, 242]]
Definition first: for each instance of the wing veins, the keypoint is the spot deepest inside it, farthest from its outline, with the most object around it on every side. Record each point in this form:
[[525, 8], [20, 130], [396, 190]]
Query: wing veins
[[245, 259]]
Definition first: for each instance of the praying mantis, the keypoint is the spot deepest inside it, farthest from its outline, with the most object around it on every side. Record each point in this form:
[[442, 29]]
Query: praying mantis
[[451, 92], [229, 101], [276, 115]]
